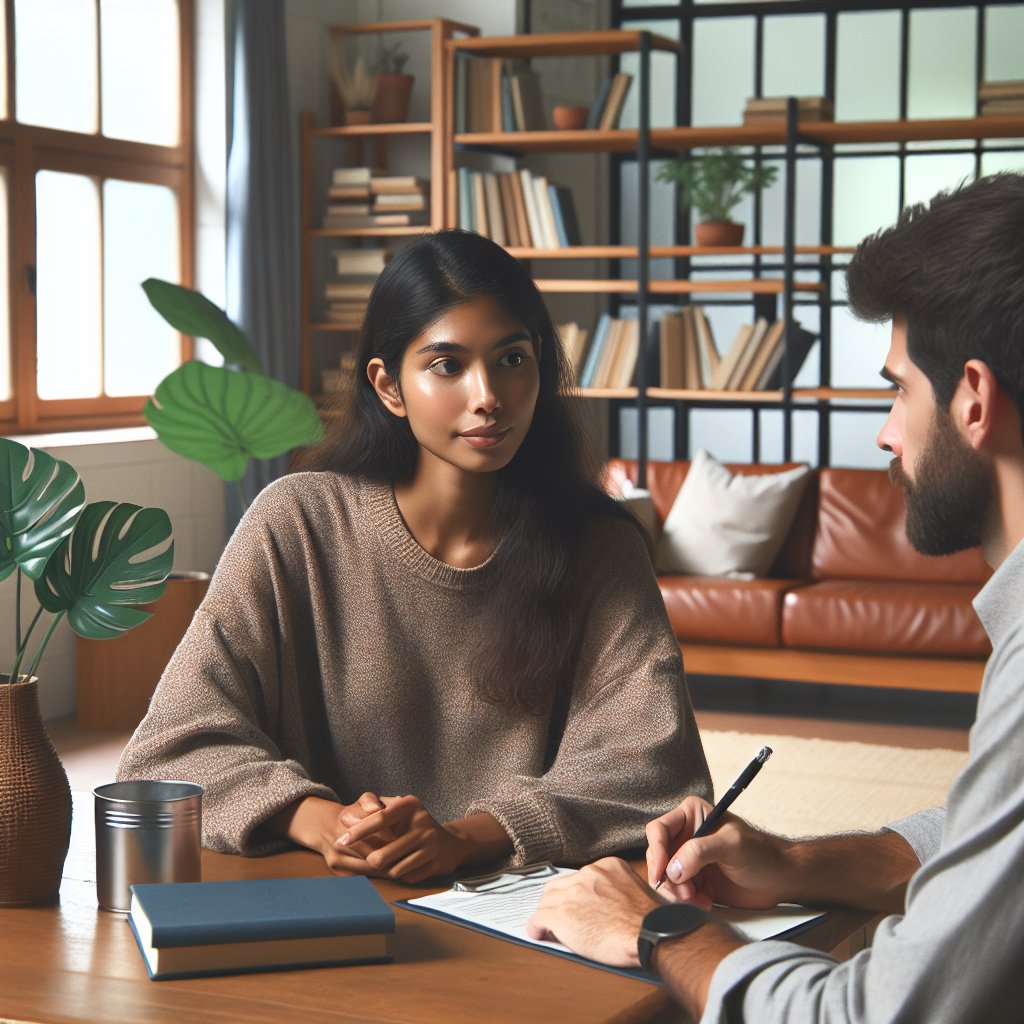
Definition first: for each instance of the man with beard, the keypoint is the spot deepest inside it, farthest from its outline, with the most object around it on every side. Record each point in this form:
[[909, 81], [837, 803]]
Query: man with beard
[[951, 279]]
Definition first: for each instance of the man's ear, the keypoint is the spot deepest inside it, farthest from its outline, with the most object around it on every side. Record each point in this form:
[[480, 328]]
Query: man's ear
[[385, 386], [975, 403]]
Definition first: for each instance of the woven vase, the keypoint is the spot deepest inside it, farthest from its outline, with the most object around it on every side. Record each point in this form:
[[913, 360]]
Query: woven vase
[[35, 801]]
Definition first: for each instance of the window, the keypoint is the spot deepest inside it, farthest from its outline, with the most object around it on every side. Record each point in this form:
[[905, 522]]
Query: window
[[96, 159]]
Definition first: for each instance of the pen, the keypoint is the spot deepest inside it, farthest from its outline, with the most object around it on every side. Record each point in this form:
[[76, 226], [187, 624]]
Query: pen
[[711, 821]]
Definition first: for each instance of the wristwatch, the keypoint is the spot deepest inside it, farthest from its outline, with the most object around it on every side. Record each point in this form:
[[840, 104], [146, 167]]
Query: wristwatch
[[669, 921]]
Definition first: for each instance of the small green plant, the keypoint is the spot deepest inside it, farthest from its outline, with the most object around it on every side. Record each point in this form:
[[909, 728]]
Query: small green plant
[[390, 59], [715, 182], [92, 563], [223, 416]]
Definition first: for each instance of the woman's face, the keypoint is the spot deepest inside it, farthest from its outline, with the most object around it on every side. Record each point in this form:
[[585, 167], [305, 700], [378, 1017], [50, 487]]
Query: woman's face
[[468, 386]]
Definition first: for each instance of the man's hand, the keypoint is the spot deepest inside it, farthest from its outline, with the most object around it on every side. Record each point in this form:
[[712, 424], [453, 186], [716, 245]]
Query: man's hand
[[736, 865], [597, 912]]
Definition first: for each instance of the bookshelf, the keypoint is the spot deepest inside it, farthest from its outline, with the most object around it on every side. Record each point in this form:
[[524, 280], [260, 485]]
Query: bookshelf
[[324, 342]]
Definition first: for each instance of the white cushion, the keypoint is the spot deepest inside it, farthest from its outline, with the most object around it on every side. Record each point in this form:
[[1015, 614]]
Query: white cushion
[[641, 504], [726, 524]]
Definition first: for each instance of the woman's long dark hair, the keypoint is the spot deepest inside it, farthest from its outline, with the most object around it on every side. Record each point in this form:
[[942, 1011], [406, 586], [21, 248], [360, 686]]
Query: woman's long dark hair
[[547, 494]]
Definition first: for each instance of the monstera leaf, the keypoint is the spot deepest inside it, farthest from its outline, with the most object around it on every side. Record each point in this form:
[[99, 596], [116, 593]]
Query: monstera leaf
[[222, 417], [119, 555], [40, 500], [195, 315]]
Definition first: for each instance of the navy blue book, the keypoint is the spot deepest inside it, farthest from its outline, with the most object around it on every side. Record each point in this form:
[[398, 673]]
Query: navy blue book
[[262, 924]]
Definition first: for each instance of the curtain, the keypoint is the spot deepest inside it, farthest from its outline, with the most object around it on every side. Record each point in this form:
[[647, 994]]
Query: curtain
[[262, 281]]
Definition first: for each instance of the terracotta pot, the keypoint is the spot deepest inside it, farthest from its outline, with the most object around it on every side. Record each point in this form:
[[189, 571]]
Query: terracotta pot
[[569, 118], [35, 801], [718, 233], [391, 99], [357, 117]]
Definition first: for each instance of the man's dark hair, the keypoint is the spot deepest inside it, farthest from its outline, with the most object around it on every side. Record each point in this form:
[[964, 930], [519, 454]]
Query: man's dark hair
[[955, 270]]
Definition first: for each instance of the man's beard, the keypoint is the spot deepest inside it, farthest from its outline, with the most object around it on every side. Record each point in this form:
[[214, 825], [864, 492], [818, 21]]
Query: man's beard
[[951, 497]]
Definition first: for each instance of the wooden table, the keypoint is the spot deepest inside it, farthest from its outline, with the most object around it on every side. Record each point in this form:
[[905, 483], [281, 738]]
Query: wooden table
[[75, 962]]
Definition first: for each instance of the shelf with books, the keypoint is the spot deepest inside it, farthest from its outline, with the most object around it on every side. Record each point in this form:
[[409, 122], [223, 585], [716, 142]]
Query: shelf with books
[[749, 286], [355, 208]]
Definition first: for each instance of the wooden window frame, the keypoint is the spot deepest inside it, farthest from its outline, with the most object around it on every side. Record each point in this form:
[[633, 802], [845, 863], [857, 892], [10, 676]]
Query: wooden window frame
[[26, 150]]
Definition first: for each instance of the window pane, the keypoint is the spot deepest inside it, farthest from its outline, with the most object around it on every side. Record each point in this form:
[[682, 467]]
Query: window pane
[[5, 298], [56, 63], [863, 41], [723, 69], [68, 285], [941, 82], [140, 67], [866, 197], [927, 175], [794, 55], [1004, 56], [140, 240]]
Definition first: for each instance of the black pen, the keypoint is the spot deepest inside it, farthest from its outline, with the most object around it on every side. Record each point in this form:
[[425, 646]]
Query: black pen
[[746, 777]]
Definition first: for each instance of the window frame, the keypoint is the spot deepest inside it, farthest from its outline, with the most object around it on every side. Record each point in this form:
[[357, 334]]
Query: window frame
[[27, 149]]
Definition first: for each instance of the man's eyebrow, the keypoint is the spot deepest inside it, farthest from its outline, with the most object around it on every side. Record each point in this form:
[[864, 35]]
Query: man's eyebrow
[[886, 374], [454, 346]]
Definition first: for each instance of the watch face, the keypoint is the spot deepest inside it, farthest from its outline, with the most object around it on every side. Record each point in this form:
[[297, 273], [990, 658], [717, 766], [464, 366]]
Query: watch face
[[675, 919], [669, 921]]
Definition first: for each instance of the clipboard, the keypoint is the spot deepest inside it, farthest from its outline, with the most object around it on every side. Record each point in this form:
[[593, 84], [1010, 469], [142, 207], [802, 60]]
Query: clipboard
[[501, 903]]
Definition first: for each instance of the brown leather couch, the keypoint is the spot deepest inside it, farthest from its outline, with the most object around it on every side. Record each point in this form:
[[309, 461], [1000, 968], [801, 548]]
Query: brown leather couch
[[847, 600]]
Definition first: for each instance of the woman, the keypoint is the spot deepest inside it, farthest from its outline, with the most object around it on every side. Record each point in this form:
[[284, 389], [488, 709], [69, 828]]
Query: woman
[[440, 644]]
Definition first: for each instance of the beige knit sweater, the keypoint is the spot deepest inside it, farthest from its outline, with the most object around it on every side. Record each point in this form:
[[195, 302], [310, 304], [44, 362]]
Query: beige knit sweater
[[332, 655]]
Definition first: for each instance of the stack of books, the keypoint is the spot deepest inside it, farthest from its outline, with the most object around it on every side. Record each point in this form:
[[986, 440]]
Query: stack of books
[[1001, 99], [517, 208], [360, 197], [761, 110], [346, 295]]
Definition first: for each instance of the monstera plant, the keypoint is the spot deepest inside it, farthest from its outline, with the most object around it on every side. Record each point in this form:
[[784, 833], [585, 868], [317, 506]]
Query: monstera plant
[[92, 563], [223, 416]]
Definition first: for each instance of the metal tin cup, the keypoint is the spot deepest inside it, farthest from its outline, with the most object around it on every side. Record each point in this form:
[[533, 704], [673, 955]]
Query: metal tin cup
[[146, 831]]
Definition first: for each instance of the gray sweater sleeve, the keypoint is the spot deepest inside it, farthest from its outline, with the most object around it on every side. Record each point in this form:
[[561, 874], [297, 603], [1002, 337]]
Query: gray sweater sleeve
[[954, 956]]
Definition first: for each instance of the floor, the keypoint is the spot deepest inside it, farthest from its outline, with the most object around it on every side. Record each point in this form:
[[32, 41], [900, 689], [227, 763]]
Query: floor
[[894, 718]]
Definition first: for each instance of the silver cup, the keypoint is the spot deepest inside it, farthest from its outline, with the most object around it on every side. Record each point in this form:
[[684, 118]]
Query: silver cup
[[146, 831]]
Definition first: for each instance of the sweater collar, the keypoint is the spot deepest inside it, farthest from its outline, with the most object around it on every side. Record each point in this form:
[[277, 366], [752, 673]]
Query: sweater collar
[[399, 542]]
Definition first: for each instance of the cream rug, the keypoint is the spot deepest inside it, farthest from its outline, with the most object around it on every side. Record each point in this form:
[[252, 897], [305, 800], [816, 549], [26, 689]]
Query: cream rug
[[816, 787]]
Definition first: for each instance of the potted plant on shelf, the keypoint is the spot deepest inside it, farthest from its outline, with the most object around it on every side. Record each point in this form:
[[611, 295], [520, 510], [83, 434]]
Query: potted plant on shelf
[[92, 564], [393, 88], [713, 184], [353, 88]]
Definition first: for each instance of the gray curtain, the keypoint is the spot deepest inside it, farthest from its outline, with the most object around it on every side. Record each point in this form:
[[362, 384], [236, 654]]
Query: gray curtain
[[262, 218]]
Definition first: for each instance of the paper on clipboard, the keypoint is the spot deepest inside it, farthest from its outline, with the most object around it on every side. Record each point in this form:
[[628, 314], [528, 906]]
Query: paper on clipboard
[[503, 911]]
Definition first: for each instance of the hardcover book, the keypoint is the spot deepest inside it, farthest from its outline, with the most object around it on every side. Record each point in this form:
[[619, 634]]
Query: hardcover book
[[191, 928]]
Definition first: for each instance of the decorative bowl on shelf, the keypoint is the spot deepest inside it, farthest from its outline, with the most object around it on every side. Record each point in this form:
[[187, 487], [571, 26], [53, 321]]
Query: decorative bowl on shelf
[[569, 118]]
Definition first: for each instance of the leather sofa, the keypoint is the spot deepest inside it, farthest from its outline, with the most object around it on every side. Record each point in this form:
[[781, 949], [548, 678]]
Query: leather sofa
[[847, 599]]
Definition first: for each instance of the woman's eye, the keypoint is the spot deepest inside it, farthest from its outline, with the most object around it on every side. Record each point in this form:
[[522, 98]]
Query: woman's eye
[[446, 367], [513, 358]]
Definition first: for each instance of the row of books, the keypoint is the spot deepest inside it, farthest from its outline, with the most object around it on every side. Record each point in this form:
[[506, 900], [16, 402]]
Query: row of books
[[688, 358], [517, 208], [360, 197], [346, 296], [760, 110], [1001, 99], [496, 95]]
